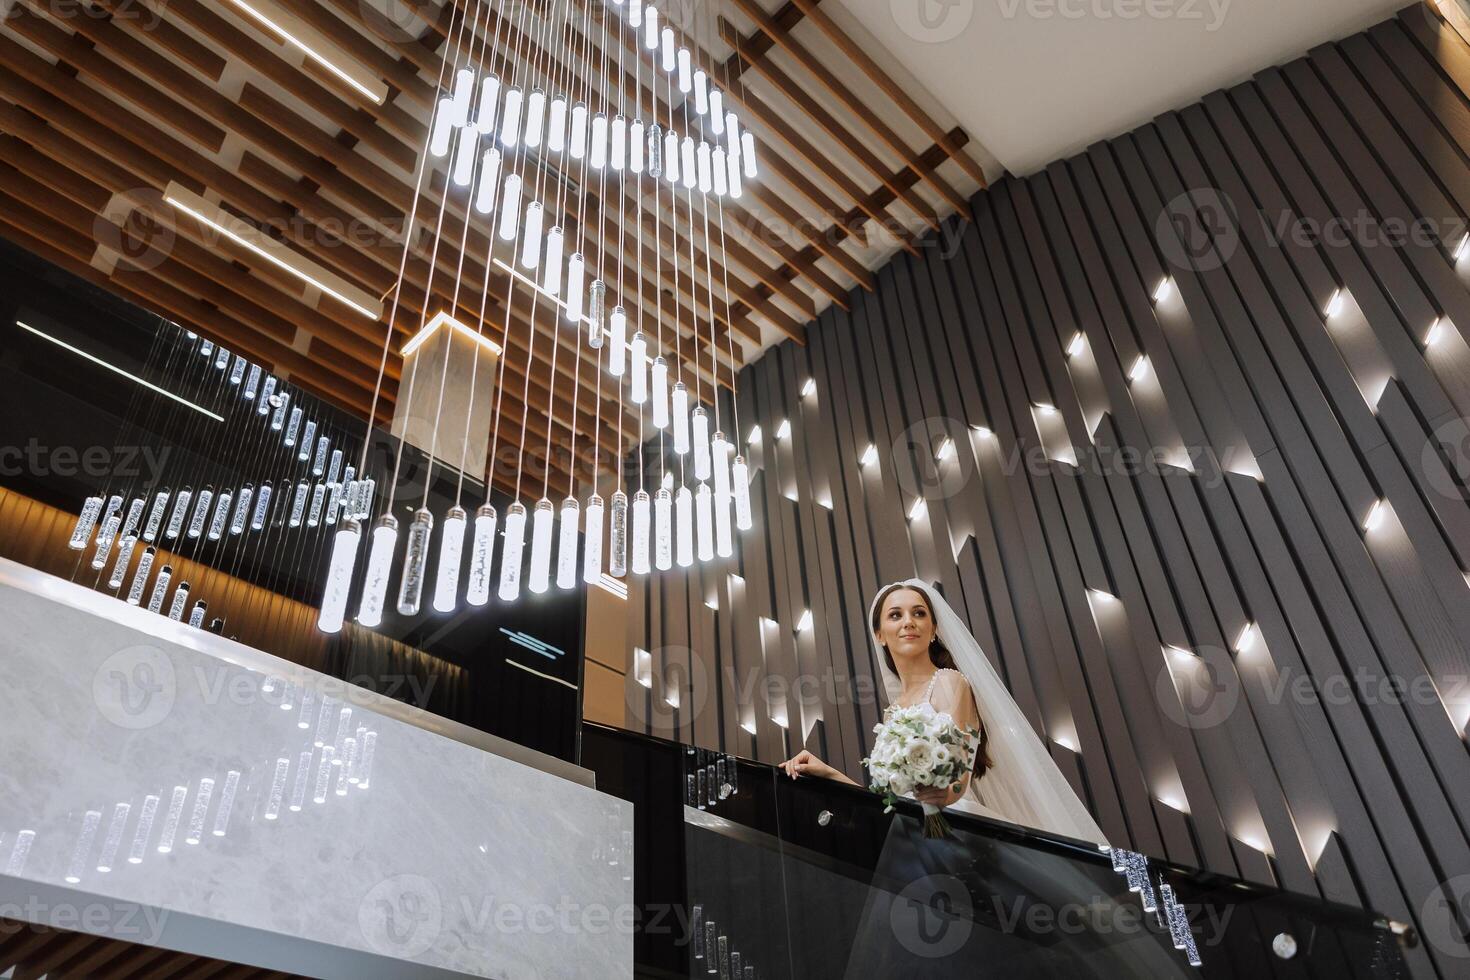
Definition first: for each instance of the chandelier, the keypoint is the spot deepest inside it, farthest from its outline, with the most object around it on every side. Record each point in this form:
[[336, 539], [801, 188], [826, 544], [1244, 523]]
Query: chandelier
[[541, 150]]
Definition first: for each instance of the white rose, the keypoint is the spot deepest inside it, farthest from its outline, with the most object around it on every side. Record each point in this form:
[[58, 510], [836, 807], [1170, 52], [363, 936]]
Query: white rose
[[920, 755], [942, 755]]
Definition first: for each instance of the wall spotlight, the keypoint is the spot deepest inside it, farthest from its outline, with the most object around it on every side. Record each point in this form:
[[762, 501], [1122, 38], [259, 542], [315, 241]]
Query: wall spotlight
[[783, 431], [870, 455], [1163, 289], [917, 510], [1375, 516], [1139, 370], [1334, 304], [1078, 344], [809, 388], [1246, 638], [805, 622], [1435, 333], [946, 449]]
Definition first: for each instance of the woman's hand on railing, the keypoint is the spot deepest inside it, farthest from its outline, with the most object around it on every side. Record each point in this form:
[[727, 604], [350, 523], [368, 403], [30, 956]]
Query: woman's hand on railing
[[805, 763]]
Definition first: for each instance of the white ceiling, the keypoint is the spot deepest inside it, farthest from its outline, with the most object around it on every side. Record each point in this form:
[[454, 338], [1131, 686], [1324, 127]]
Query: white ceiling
[[1034, 81]]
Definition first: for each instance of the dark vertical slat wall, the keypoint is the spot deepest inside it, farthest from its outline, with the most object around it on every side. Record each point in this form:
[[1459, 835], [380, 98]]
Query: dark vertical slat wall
[[1172, 567]]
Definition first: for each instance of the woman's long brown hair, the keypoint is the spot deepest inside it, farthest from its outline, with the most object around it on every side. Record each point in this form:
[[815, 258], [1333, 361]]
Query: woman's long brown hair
[[939, 655]]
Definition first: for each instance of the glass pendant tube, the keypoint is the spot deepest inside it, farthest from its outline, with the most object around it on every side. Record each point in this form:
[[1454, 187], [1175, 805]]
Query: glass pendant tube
[[566, 545], [334, 468], [130, 525], [595, 314], [221, 515], [464, 88], [732, 175], [716, 111], [443, 129], [264, 405], [720, 171], [704, 522], [663, 531], [464, 157], [680, 401], [298, 504], [482, 552], [551, 272], [489, 186], [671, 156], [160, 588], [510, 559], [720, 450], [334, 501], [180, 600], [574, 287], [489, 105], [660, 393], [650, 28], [578, 146], [597, 150], [364, 499], [293, 427], [105, 537], [201, 511], [262, 507], [684, 527], [252, 383], [535, 117], [687, 168], [140, 576], [542, 520], [732, 132], [155, 516], [592, 534], [686, 71], [617, 538], [415, 563], [669, 60], [307, 441], [655, 150], [318, 498], [339, 577], [556, 125], [319, 459], [635, 13], [237, 370], [617, 143], [747, 153], [451, 551], [180, 511], [221, 358], [380, 563], [510, 208], [701, 91], [706, 178], [242, 509], [640, 532], [740, 485], [124, 557], [278, 418], [638, 353], [531, 236], [510, 117], [196, 615], [701, 443], [635, 146], [617, 355]]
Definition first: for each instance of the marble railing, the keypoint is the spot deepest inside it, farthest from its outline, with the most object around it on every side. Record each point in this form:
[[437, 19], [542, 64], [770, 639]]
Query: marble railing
[[171, 787]]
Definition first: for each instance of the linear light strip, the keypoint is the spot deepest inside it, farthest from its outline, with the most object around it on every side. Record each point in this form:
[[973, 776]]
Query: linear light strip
[[530, 670], [376, 93], [194, 206], [117, 370], [442, 319]]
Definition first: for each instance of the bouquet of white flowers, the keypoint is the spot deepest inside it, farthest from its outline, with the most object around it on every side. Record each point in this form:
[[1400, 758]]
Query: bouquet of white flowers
[[918, 746]]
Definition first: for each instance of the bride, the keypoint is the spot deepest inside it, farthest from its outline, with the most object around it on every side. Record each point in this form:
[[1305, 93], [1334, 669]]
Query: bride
[[926, 654]]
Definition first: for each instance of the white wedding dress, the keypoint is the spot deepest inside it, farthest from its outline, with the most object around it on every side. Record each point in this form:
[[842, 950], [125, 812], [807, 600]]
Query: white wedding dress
[[1023, 786]]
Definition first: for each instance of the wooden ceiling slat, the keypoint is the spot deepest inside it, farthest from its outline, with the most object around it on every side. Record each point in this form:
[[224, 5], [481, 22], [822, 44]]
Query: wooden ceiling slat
[[879, 77], [772, 32], [828, 123]]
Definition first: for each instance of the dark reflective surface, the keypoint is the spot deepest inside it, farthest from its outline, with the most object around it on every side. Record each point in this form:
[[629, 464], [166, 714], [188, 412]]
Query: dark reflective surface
[[811, 879]]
